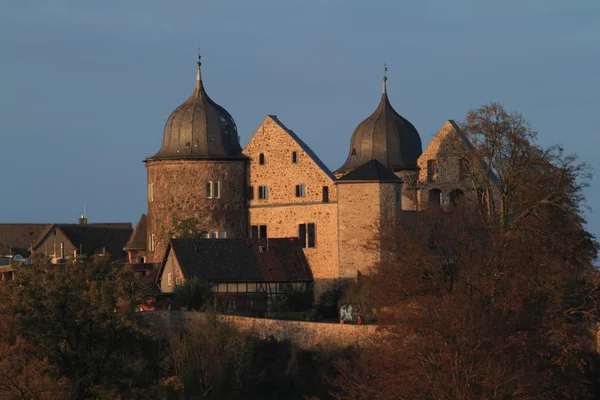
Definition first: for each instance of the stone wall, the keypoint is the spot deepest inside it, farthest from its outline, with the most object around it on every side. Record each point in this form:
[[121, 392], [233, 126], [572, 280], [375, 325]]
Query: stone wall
[[359, 216], [306, 335], [179, 188], [283, 211], [447, 148]]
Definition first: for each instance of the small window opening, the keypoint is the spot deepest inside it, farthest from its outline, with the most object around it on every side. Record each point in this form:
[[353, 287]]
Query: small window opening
[[261, 159], [353, 152], [294, 157], [325, 194], [263, 192], [300, 190]]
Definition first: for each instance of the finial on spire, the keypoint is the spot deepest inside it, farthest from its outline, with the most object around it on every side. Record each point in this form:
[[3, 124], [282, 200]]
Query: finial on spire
[[199, 63], [384, 78]]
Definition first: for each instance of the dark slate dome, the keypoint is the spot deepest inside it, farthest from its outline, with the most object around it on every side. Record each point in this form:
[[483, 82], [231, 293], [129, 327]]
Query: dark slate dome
[[200, 129], [384, 136]]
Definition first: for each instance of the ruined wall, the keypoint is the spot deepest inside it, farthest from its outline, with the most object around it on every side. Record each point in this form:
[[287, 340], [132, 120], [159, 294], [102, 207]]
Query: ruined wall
[[283, 211], [179, 188], [448, 149], [306, 335]]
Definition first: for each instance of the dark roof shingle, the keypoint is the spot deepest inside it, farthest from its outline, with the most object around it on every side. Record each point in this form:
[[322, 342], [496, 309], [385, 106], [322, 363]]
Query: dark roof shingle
[[373, 171], [241, 260]]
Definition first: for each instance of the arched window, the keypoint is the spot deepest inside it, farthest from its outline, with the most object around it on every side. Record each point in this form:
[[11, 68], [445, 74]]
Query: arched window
[[435, 197], [455, 196]]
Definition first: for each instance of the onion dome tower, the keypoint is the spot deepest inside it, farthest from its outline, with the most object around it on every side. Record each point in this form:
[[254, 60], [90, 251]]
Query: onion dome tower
[[384, 136], [198, 173]]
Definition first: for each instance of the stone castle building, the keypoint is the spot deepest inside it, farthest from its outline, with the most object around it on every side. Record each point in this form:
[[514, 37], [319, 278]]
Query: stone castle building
[[277, 187]]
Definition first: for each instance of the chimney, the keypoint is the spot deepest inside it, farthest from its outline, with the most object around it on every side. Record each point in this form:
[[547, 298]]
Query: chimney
[[82, 220]]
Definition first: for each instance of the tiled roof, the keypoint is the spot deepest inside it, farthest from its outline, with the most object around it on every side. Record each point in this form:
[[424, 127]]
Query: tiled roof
[[281, 260], [93, 238], [18, 238], [241, 260], [137, 240], [371, 171]]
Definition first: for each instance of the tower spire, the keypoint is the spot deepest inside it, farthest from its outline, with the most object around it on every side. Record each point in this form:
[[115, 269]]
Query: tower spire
[[384, 78], [199, 63]]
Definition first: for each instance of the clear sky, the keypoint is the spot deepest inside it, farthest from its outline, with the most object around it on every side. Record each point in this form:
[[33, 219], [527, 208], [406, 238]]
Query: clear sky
[[86, 86]]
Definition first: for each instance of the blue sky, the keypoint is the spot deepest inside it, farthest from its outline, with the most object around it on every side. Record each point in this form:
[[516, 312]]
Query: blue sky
[[86, 86]]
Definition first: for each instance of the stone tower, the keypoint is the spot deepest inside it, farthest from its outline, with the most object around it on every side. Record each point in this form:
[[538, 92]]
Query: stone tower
[[392, 140], [199, 172], [369, 204]]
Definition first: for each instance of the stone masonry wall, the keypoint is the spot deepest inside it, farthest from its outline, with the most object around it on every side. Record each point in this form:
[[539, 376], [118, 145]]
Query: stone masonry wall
[[359, 215], [447, 148], [283, 221], [306, 335], [180, 189], [283, 211]]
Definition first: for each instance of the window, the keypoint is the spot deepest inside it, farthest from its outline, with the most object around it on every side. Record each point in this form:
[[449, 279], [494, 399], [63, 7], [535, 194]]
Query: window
[[222, 235], [177, 279], [306, 235], [263, 192], [294, 157], [213, 189], [261, 159], [432, 170], [353, 152], [300, 190], [170, 279], [454, 196], [325, 194], [435, 197], [398, 201], [213, 235], [151, 192], [250, 193], [258, 231], [152, 242]]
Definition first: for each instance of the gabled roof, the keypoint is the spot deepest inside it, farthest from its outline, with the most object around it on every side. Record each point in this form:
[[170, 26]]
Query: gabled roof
[[18, 238], [92, 238], [371, 171], [240, 260], [137, 240], [303, 146]]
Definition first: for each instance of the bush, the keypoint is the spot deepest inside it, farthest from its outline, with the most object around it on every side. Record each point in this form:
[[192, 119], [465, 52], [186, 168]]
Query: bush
[[195, 294]]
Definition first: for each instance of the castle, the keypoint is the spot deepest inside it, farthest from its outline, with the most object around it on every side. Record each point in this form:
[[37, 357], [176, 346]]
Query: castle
[[277, 187]]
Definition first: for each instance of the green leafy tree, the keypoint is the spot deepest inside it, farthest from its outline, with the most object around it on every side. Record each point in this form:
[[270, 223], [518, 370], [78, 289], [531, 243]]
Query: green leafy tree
[[80, 318], [194, 293], [186, 228]]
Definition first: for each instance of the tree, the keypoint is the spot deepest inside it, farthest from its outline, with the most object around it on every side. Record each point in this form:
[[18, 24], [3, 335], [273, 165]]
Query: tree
[[493, 305], [187, 228], [80, 317], [194, 293]]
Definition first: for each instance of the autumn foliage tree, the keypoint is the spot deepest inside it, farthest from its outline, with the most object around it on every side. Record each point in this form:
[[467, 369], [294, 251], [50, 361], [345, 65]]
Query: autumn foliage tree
[[494, 297]]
